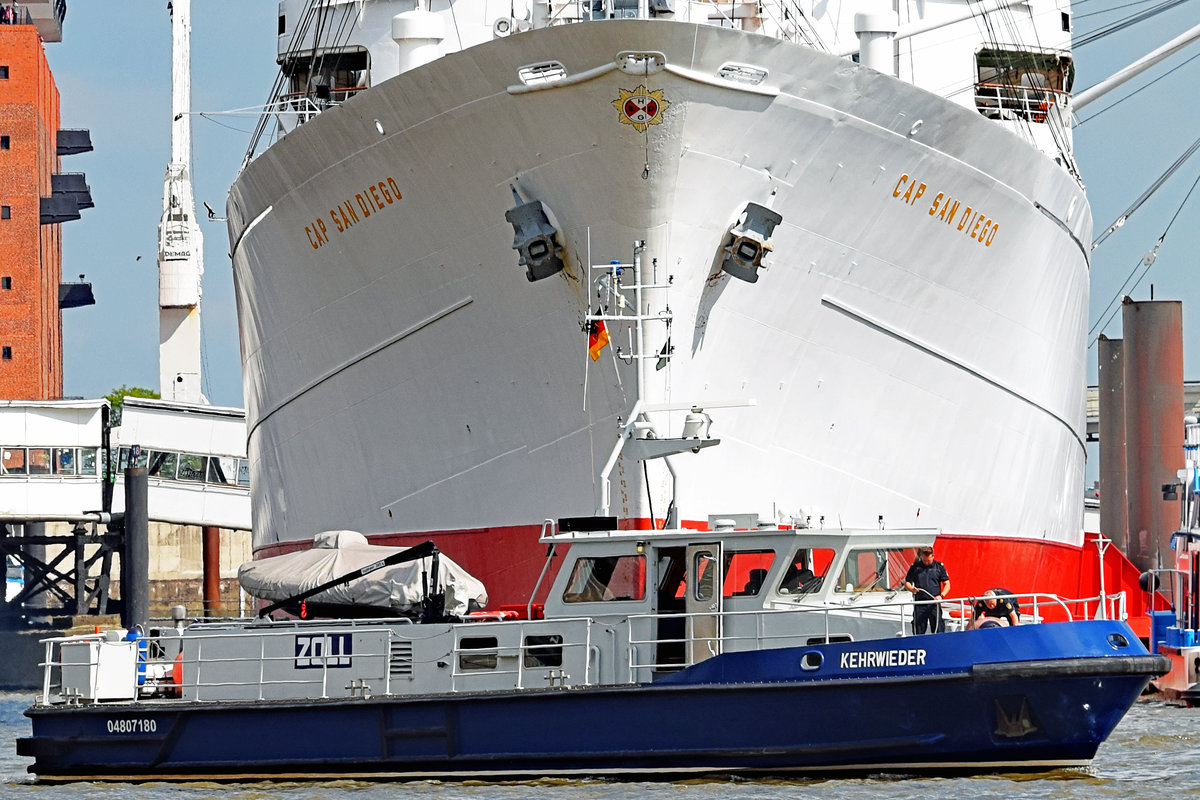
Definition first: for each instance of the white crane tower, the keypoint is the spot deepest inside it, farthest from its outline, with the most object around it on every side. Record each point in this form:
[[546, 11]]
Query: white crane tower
[[180, 245]]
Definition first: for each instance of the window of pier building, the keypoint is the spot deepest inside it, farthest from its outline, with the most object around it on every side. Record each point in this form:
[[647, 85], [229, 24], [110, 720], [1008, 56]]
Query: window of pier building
[[188, 467], [48, 461]]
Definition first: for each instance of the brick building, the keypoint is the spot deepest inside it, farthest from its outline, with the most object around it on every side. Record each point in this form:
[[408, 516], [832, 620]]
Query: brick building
[[36, 197]]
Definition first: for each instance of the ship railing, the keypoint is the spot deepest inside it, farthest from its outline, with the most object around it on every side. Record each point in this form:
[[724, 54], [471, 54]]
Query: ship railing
[[840, 622], [770, 629], [1009, 101], [553, 658], [105, 676], [787, 16], [558, 652], [232, 664], [1174, 597], [293, 109]]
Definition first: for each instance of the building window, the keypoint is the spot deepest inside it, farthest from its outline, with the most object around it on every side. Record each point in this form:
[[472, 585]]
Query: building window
[[6, 282], [3, 72], [5, 212], [4, 143], [6, 354]]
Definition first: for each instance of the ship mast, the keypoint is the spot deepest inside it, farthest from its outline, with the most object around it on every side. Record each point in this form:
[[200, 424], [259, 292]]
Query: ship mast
[[180, 245]]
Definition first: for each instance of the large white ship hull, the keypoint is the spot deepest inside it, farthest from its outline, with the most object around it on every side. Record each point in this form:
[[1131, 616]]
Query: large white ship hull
[[402, 375]]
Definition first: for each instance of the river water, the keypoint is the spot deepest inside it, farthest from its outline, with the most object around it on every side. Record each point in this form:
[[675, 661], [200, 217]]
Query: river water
[[1154, 753]]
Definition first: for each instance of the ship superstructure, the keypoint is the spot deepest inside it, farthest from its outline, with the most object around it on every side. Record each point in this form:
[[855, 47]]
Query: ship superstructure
[[875, 275]]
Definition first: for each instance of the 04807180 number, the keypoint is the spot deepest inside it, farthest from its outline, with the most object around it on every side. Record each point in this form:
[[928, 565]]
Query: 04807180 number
[[132, 725]]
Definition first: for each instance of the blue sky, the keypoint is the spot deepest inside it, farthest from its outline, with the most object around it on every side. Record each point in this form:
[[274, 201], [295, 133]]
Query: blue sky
[[113, 70], [113, 73]]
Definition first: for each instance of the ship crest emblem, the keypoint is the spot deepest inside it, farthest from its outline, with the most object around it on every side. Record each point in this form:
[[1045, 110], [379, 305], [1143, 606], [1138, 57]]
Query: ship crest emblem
[[641, 107]]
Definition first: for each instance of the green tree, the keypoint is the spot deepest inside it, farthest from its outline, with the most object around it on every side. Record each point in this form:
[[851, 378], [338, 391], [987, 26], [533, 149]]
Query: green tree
[[116, 399]]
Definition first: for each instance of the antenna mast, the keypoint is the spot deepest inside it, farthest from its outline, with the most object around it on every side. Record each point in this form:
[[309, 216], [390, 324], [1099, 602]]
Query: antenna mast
[[180, 245]]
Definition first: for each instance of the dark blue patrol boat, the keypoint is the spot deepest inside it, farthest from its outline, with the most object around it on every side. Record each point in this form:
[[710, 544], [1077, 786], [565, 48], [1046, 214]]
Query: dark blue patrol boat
[[746, 648], [656, 653]]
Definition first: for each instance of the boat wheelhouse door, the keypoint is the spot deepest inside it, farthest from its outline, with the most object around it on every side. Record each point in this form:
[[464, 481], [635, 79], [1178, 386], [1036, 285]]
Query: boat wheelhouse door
[[703, 601]]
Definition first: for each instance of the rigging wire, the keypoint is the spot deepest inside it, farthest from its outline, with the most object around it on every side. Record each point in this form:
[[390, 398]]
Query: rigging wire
[[1144, 263], [1135, 91], [1126, 22], [1107, 10], [1154, 187]]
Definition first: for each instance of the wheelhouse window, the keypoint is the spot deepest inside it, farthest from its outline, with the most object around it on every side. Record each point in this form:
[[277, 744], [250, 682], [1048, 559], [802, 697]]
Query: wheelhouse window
[[806, 572], [746, 572], [607, 578], [1021, 84], [876, 569]]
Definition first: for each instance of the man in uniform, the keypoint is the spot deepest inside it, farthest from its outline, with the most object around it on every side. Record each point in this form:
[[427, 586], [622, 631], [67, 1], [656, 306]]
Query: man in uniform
[[927, 579], [996, 604]]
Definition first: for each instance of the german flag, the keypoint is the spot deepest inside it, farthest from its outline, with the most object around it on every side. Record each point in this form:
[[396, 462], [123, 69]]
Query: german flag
[[597, 338]]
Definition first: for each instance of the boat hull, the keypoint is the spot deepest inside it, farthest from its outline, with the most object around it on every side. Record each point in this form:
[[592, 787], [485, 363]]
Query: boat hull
[[952, 702], [403, 377]]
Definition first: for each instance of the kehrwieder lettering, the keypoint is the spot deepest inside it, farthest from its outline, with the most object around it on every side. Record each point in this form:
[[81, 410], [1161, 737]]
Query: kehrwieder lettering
[[883, 658]]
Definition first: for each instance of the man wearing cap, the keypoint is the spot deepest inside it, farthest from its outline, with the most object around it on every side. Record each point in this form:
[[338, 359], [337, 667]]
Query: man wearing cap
[[996, 604], [927, 580]]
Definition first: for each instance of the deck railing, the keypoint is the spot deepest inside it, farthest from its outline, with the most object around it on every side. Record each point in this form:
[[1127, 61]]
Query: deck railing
[[634, 646], [1006, 101]]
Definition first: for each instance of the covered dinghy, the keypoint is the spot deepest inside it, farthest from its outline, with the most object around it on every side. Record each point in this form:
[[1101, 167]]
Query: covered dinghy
[[336, 553]]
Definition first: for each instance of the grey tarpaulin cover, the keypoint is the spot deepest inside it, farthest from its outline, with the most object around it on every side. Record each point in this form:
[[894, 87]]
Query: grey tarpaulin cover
[[335, 553]]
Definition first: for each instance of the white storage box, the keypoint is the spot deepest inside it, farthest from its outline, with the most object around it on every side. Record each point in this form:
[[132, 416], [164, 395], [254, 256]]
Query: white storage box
[[99, 670]]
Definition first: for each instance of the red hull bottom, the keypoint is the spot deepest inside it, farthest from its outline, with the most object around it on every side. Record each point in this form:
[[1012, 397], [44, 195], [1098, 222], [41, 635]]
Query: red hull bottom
[[509, 560]]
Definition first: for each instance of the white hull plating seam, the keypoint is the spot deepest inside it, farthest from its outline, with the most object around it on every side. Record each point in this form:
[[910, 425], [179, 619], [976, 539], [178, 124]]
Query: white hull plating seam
[[900, 367]]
